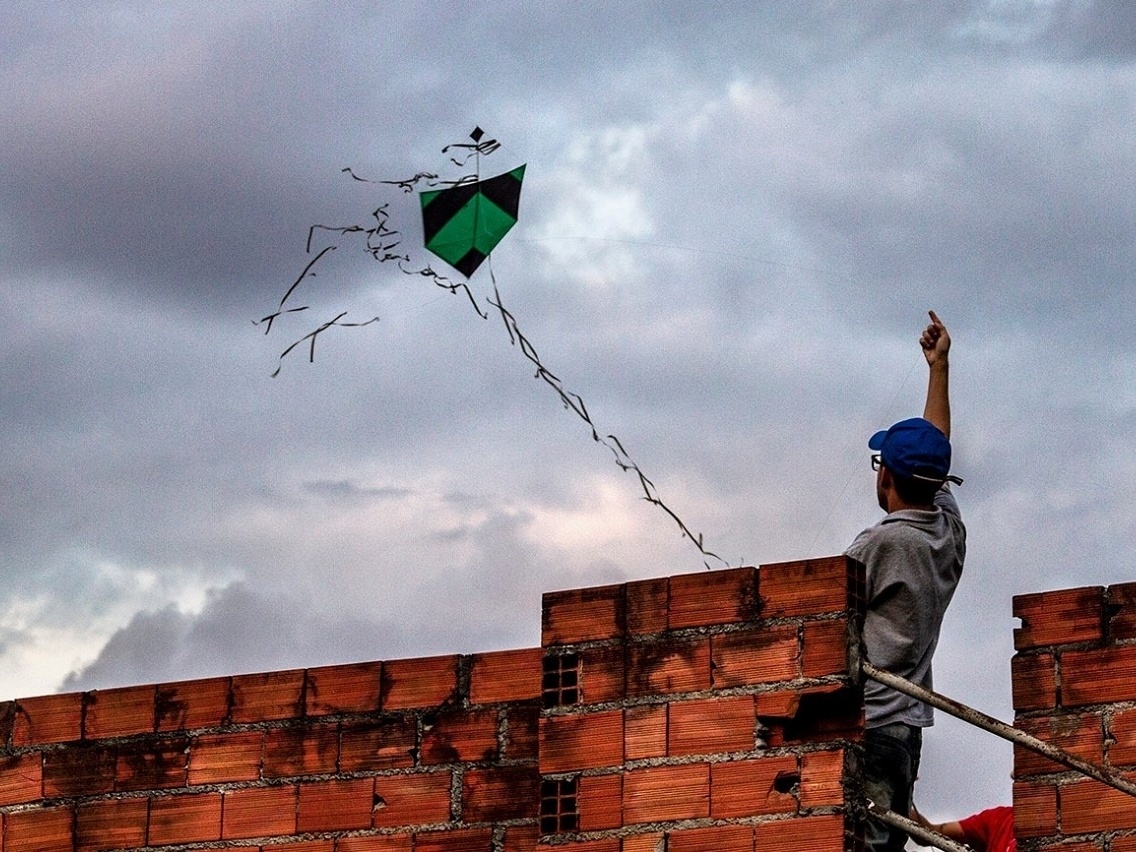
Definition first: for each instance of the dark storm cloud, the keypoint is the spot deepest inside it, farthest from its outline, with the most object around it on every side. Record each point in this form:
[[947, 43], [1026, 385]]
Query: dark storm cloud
[[192, 173]]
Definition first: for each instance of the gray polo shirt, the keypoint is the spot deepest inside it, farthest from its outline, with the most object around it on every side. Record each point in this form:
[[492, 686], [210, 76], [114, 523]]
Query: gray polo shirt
[[913, 561]]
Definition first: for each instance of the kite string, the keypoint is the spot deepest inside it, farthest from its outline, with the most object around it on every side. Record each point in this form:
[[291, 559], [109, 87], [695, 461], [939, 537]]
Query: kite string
[[574, 402], [854, 464]]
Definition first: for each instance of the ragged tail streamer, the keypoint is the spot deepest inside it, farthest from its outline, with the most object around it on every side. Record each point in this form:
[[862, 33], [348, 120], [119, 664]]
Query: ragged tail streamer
[[384, 244], [574, 402]]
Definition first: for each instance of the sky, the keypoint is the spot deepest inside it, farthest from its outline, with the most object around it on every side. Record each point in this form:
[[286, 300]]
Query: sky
[[735, 217]]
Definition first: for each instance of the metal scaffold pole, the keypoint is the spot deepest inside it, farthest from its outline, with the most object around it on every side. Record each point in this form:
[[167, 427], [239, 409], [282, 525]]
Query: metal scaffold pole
[[998, 728]]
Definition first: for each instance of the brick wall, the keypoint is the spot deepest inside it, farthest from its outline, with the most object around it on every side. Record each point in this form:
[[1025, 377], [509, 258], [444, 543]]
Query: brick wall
[[1074, 685], [702, 711]]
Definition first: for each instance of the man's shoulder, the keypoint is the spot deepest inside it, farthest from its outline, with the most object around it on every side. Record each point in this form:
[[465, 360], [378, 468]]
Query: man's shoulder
[[885, 535]]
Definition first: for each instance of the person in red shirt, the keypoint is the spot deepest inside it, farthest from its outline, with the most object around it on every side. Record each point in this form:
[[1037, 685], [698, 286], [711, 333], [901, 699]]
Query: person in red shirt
[[991, 830]]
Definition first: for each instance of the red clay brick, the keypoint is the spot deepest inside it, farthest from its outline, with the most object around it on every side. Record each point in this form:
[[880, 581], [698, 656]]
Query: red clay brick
[[221, 758], [646, 602], [663, 793], [374, 746], [522, 733], [1034, 681], [1059, 618], [259, 812], [42, 830], [672, 666], [48, 719], [750, 657], [1089, 806], [352, 688], [1122, 606], [21, 778], [1122, 751], [581, 741], [1122, 844], [458, 736], [806, 587], [119, 712], [270, 696], [1102, 676], [522, 838], [505, 676], [780, 704], [582, 615], [794, 835], [651, 841], [712, 597], [500, 793], [711, 726], [304, 846], [185, 819], [192, 704], [814, 715], [407, 800], [111, 824], [83, 770], [422, 682], [720, 838], [745, 788], [824, 648], [822, 779], [310, 750], [601, 674], [150, 765], [606, 844], [1081, 735], [1035, 809], [599, 802], [379, 843], [336, 805], [459, 840], [645, 732]]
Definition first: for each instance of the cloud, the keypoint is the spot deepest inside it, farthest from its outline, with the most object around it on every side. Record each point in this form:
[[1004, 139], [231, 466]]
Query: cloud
[[733, 220]]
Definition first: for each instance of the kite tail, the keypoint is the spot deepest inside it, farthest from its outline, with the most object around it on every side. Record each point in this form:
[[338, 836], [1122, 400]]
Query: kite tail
[[575, 402]]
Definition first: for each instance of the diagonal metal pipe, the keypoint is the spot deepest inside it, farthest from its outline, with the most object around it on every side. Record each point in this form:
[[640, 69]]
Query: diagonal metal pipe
[[998, 728], [919, 832]]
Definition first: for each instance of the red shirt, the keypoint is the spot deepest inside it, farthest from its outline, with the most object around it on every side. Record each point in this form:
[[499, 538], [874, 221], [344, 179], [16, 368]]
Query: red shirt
[[991, 831]]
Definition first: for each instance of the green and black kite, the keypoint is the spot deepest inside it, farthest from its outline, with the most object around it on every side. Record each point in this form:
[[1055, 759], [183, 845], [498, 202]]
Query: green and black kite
[[463, 223]]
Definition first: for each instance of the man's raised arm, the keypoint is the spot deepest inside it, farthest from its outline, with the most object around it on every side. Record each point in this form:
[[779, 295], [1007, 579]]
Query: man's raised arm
[[936, 343]]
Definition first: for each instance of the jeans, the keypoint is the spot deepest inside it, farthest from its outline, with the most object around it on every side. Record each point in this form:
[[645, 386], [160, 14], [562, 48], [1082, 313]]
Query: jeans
[[891, 763]]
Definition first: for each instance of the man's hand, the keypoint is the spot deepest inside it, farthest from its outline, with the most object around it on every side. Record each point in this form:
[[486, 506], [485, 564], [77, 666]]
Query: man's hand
[[936, 342]]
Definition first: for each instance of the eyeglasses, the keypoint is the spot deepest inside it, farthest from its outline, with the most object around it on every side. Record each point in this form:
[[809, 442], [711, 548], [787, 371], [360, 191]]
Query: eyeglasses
[[878, 462]]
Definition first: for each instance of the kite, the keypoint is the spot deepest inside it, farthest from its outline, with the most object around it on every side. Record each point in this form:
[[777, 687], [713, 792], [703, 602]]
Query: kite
[[463, 221]]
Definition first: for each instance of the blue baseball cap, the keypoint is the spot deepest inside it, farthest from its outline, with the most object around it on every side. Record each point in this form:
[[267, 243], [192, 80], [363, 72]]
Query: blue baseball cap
[[916, 449]]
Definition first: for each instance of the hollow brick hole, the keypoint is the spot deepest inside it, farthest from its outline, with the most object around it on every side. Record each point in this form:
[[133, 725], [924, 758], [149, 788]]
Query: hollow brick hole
[[560, 680], [558, 805]]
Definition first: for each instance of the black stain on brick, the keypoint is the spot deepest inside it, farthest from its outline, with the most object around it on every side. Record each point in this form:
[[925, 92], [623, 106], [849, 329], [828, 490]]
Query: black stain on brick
[[148, 766], [8, 711], [750, 603], [169, 708], [644, 661], [80, 770]]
